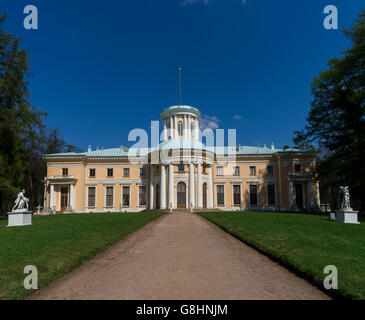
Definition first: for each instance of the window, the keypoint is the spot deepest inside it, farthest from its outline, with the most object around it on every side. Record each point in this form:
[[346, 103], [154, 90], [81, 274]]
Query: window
[[236, 171], [219, 171], [109, 172], [125, 172], [92, 173], [109, 197], [65, 172], [142, 172], [298, 168], [142, 195], [237, 195], [180, 128], [192, 129], [220, 195], [125, 196], [253, 195], [204, 169], [91, 201], [270, 170], [252, 171], [181, 167], [271, 195]]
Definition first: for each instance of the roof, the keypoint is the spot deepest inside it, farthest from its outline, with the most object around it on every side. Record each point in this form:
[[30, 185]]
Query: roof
[[179, 143], [180, 109]]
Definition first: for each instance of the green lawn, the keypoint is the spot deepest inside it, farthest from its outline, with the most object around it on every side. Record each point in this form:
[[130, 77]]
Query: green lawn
[[305, 242], [57, 244]]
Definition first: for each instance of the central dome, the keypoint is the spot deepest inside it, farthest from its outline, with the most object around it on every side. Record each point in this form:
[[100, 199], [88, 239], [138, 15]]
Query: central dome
[[180, 110], [180, 122]]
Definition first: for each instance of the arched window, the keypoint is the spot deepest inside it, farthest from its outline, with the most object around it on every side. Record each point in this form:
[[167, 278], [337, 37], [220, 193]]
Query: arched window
[[192, 127], [180, 128]]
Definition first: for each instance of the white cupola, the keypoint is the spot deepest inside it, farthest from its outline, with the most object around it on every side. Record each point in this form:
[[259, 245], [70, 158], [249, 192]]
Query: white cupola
[[180, 122]]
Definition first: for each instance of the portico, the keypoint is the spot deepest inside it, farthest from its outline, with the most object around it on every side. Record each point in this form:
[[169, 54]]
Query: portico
[[62, 193], [185, 189]]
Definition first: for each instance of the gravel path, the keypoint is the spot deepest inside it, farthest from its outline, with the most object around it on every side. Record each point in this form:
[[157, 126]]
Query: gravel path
[[180, 256]]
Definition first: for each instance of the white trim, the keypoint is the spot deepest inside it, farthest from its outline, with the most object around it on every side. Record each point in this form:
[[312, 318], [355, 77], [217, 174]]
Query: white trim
[[248, 180], [116, 181]]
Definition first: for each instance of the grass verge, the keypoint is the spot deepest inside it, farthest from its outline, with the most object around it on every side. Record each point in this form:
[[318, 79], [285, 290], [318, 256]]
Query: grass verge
[[58, 244], [306, 243]]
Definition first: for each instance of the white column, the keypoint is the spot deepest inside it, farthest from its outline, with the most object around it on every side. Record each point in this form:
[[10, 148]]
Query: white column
[[318, 196], [45, 195], [197, 129], [164, 129], [176, 135], [171, 185], [189, 133], [171, 128], [200, 187], [51, 197], [210, 200], [152, 178], [185, 126], [72, 197], [192, 189], [163, 188], [291, 198]]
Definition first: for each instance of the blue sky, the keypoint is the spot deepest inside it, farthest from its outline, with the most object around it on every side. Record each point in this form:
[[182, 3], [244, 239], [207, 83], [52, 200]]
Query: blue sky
[[102, 68]]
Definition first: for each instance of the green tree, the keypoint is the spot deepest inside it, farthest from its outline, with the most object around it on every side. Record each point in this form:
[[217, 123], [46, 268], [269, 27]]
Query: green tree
[[23, 138], [19, 121], [336, 122]]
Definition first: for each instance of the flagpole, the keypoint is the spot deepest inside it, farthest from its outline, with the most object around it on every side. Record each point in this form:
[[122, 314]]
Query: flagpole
[[179, 86]]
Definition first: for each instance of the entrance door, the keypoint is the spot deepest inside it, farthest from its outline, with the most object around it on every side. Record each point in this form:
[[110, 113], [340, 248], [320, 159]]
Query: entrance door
[[64, 198], [204, 195], [158, 195], [181, 195], [299, 195]]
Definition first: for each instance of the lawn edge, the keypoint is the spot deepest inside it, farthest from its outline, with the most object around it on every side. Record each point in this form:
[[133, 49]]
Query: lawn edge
[[287, 265], [78, 264]]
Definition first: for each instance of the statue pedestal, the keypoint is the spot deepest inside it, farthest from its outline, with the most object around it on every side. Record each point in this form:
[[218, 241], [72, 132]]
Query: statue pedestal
[[20, 218], [332, 216], [347, 216]]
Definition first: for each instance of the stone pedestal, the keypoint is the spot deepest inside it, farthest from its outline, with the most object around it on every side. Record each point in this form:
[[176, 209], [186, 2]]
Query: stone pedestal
[[333, 216], [22, 218], [347, 216]]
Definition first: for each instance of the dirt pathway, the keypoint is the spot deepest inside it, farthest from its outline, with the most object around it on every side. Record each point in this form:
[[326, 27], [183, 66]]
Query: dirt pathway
[[180, 256]]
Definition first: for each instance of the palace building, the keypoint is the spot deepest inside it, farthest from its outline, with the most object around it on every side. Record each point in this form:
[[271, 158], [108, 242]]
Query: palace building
[[181, 173]]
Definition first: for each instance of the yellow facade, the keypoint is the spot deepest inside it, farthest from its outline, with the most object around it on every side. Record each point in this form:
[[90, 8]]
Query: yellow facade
[[114, 180]]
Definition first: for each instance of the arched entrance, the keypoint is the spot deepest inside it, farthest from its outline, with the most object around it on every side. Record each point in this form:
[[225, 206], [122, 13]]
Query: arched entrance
[[181, 195], [204, 195], [158, 195]]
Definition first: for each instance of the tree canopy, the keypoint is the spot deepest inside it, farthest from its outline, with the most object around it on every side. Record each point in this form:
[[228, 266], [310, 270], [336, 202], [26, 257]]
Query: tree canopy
[[23, 138], [336, 121]]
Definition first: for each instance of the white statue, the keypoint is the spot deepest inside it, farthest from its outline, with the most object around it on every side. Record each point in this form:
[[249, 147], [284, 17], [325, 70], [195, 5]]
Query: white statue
[[345, 198], [21, 202], [170, 206]]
